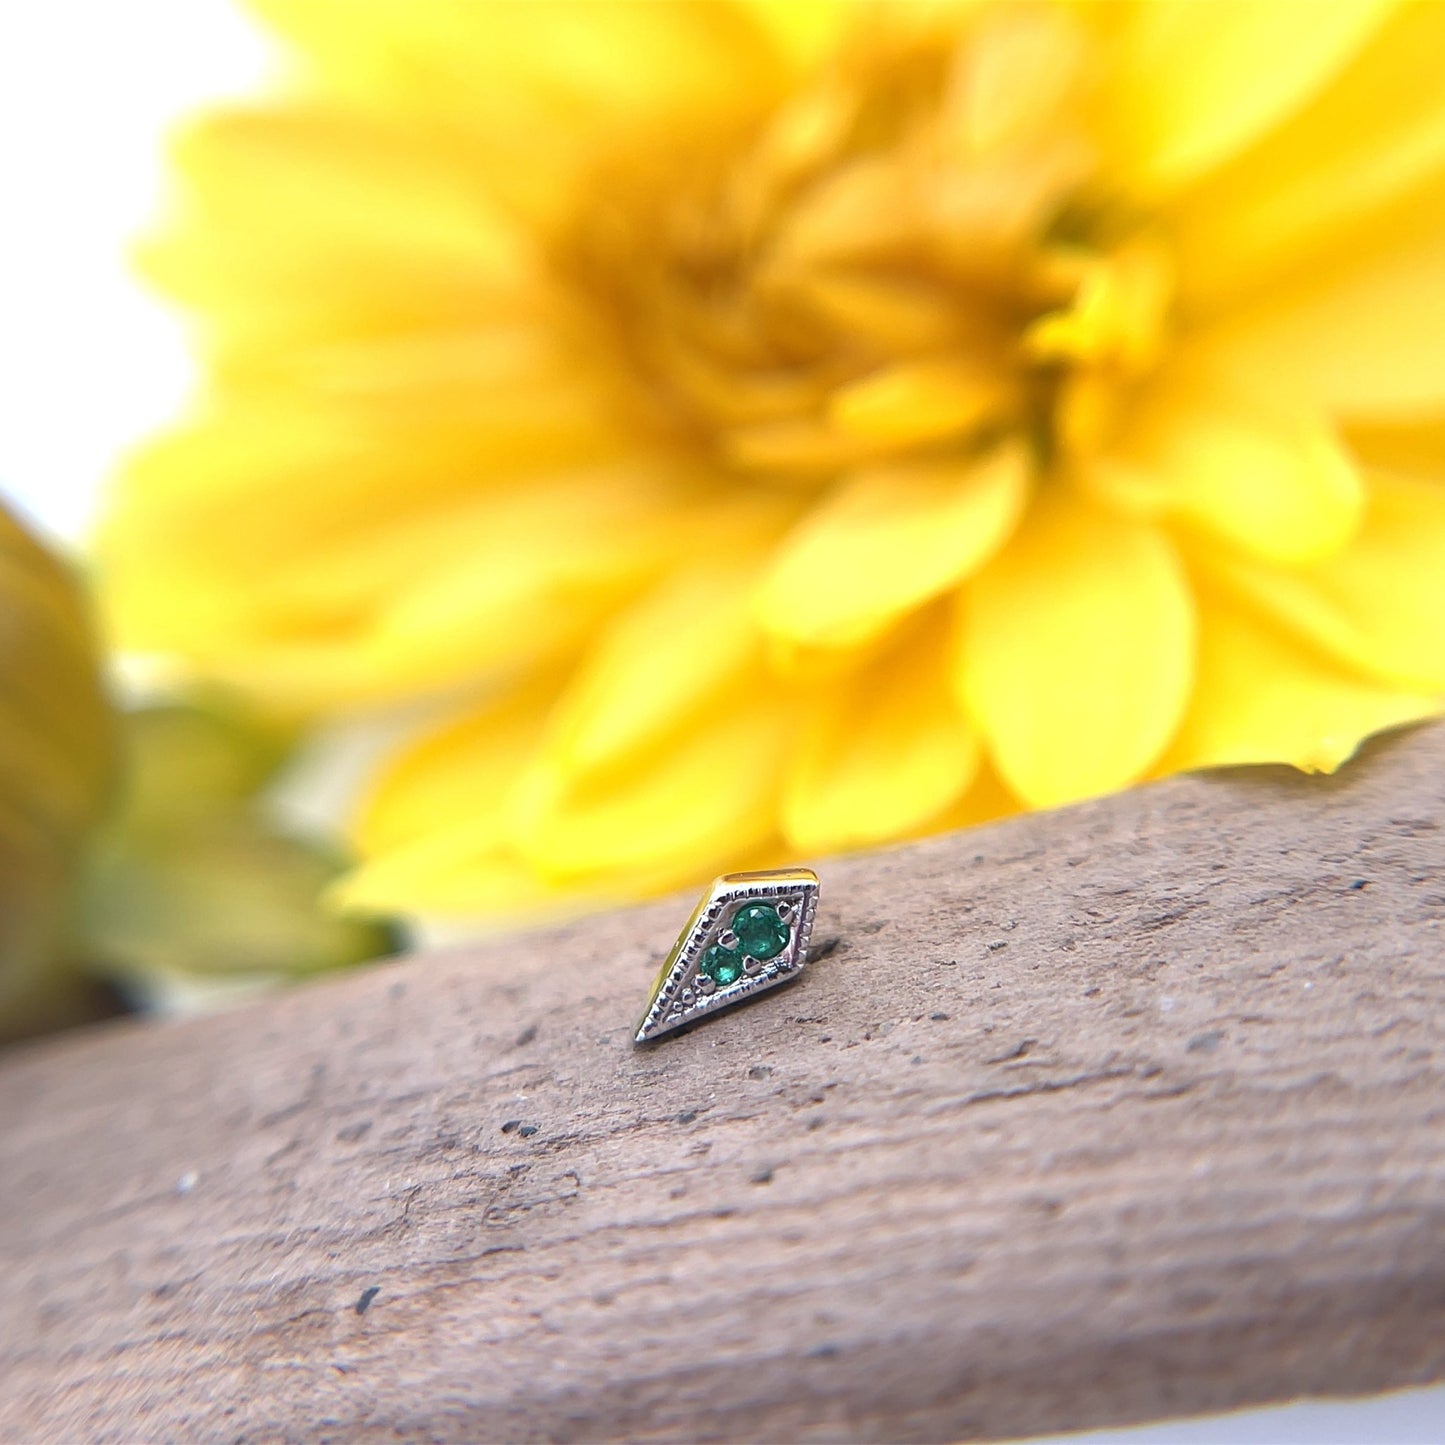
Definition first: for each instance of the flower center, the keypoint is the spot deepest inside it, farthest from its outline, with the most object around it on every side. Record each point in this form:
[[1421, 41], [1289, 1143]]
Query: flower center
[[905, 258]]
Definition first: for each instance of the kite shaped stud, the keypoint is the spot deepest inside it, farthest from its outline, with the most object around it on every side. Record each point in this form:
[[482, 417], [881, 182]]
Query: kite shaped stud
[[749, 934]]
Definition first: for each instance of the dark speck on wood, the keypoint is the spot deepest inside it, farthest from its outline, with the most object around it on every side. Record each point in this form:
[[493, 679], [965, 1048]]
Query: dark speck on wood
[[367, 1295]]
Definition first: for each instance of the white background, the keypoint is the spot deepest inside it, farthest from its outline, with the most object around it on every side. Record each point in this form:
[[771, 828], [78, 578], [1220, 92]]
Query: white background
[[88, 363]]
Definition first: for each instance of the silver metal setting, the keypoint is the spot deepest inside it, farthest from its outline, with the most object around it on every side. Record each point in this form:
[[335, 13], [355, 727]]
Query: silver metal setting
[[681, 994]]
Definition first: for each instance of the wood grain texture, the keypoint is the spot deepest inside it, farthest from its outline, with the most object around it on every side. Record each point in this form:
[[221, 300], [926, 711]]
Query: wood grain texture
[[1126, 1111]]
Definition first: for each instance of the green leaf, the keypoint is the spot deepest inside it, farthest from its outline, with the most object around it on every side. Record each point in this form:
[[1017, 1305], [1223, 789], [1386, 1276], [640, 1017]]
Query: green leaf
[[192, 880]]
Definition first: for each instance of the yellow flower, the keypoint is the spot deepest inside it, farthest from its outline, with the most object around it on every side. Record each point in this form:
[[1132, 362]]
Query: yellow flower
[[760, 429]]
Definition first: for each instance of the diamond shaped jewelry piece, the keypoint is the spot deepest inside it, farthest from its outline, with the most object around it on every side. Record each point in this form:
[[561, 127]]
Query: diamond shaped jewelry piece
[[749, 933]]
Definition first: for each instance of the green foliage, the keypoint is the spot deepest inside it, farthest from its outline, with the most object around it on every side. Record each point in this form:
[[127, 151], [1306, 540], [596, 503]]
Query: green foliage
[[191, 879]]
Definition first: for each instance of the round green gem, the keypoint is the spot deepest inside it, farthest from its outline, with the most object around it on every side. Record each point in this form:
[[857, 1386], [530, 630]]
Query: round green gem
[[760, 931], [722, 965]]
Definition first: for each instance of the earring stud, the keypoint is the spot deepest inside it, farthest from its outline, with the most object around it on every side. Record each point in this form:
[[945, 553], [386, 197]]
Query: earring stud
[[749, 934]]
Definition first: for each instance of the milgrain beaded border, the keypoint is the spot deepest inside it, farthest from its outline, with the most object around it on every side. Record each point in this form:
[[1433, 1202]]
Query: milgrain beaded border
[[676, 999]]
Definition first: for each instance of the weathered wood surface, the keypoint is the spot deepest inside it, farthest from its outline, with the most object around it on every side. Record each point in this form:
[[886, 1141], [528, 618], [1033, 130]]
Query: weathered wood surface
[[1122, 1112]]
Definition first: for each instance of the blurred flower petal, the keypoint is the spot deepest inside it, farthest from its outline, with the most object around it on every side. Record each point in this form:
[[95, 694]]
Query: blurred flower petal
[[1357, 334], [678, 652], [887, 540], [882, 752], [1194, 83], [1363, 143], [1379, 606], [679, 811], [1265, 476], [1077, 686], [1261, 698], [457, 773]]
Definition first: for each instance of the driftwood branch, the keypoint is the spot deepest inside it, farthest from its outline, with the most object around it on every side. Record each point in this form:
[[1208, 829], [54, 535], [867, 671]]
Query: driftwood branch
[[1126, 1111]]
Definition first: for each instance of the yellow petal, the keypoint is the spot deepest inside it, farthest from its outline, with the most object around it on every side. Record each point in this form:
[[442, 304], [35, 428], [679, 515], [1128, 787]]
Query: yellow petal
[[436, 828], [1018, 72], [577, 79], [457, 774], [985, 801], [1261, 697], [529, 572], [1245, 468], [460, 873], [384, 231], [918, 401], [894, 314], [444, 596], [461, 870], [1369, 138], [883, 753], [863, 211], [676, 651], [1361, 334], [1192, 83], [803, 448], [710, 795], [1379, 605], [1077, 650], [803, 30], [342, 487], [887, 540], [1414, 447]]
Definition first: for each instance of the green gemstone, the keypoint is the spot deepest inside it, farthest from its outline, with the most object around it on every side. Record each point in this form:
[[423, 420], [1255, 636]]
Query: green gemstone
[[722, 965], [760, 931]]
